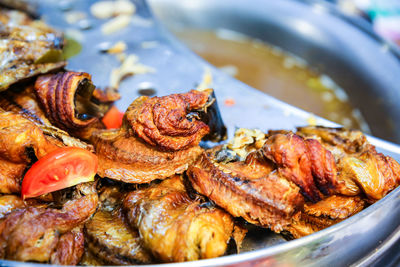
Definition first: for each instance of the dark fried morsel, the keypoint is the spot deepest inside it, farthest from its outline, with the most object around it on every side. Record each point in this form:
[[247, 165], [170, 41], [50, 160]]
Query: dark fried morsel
[[305, 162], [175, 227], [70, 248], [317, 216], [250, 189], [359, 166], [339, 141], [66, 99], [375, 174], [112, 240], [109, 237], [157, 140], [8, 203], [19, 136], [36, 233], [163, 121], [27, 48]]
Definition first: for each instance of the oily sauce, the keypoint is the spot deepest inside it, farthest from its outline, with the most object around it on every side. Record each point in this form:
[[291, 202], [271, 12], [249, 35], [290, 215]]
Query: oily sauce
[[275, 72]]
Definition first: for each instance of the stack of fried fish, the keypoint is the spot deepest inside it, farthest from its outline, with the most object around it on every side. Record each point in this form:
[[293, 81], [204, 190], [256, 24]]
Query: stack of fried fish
[[158, 196]]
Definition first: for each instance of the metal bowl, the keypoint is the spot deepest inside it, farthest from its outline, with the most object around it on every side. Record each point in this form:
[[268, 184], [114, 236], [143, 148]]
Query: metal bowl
[[345, 48], [330, 41]]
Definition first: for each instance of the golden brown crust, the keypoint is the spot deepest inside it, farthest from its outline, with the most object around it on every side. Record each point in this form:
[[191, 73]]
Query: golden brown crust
[[17, 134], [249, 190], [320, 215], [10, 176], [113, 241], [290, 153], [9, 203], [32, 233], [129, 159], [57, 93], [156, 140], [184, 229], [70, 248], [163, 122]]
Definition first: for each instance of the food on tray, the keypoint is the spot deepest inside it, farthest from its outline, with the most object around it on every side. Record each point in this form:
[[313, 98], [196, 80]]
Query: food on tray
[[83, 183], [301, 182], [175, 226], [159, 137], [45, 234]]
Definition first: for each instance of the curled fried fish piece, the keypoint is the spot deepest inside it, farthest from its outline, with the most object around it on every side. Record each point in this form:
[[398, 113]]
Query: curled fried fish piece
[[374, 173], [251, 189], [35, 233], [185, 230], [166, 122], [27, 48], [159, 137], [65, 97]]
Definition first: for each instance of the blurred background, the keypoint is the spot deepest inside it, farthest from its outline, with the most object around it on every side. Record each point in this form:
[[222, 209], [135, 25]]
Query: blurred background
[[334, 65]]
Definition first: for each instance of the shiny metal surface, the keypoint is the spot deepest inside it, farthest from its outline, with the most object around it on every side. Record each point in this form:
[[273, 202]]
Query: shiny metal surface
[[353, 241]]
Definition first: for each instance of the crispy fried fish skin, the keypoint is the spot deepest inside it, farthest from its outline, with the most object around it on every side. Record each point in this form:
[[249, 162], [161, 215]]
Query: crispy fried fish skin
[[26, 104], [70, 248], [129, 159], [59, 94], [27, 48], [307, 163], [33, 233], [112, 240], [10, 176], [320, 215], [158, 138], [247, 189], [8, 203], [17, 134], [374, 173], [163, 121], [360, 168], [289, 152], [175, 227], [339, 141]]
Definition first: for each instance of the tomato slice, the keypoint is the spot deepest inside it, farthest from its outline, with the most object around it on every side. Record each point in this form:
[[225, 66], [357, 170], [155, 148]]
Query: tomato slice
[[61, 168], [113, 118]]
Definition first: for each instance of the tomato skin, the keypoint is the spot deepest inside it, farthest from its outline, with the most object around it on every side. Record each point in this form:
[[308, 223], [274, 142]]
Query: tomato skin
[[113, 118], [59, 169]]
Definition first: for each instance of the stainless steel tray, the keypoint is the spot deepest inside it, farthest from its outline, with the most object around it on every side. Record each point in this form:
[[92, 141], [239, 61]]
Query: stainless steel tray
[[359, 240]]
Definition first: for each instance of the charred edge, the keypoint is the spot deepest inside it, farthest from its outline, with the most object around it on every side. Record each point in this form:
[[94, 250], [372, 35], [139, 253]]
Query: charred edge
[[86, 109], [212, 117]]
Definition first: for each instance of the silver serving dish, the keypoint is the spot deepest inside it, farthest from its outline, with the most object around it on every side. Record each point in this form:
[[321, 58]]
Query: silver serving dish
[[332, 41]]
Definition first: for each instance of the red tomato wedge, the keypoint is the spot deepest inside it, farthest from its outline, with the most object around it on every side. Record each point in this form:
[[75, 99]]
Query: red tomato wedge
[[113, 118], [62, 168]]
